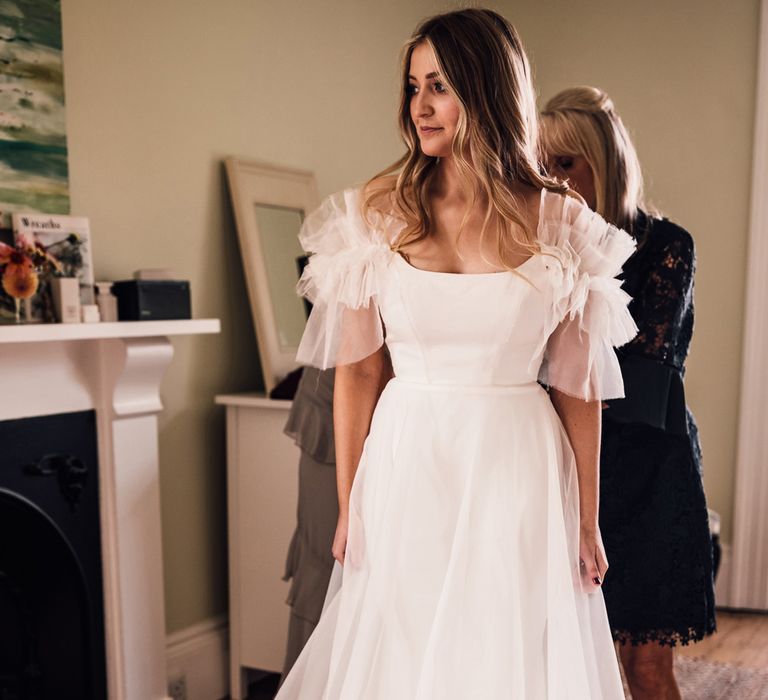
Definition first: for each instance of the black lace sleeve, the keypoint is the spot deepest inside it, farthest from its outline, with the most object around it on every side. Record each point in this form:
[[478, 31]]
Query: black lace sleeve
[[663, 298]]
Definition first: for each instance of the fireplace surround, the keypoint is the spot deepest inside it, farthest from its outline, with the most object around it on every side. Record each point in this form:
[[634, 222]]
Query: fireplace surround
[[63, 497]]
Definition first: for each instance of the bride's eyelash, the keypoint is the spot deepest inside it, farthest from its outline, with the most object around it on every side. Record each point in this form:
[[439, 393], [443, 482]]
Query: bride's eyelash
[[438, 87]]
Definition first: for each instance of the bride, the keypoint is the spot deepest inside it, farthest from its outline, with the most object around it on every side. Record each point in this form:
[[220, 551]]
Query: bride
[[448, 292]]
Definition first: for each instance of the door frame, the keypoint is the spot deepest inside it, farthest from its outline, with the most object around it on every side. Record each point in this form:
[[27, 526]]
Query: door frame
[[749, 574]]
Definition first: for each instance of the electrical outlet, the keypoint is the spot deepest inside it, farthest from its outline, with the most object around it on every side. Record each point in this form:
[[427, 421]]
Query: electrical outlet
[[177, 687]]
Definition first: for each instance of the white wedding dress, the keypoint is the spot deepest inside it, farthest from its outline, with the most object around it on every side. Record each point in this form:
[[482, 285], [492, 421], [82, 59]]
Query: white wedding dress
[[461, 579]]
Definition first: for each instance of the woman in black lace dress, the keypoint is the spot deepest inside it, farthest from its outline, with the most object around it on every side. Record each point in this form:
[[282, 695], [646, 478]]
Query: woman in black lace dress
[[653, 515]]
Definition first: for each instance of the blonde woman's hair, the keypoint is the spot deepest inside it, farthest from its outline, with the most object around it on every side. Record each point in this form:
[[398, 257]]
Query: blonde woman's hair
[[482, 62], [582, 121]]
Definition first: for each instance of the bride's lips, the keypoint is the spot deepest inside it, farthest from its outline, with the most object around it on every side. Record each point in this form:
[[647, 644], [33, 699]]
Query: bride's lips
[[429, 130]]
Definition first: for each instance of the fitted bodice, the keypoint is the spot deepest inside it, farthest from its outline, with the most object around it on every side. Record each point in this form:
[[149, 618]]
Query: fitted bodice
[[555, 318], [466, 329]]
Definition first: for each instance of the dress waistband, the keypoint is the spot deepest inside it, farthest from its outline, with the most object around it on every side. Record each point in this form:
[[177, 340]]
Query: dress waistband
[[526, 388]]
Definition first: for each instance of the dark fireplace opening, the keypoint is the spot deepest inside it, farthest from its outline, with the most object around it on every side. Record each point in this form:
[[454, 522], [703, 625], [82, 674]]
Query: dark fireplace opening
[[51, 603]]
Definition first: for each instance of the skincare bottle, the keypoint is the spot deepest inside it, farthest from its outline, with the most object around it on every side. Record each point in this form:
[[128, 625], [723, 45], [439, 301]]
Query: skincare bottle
[[106, 301]]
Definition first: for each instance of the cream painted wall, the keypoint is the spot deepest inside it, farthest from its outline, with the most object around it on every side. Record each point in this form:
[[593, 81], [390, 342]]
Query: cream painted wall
[[159, 93], [682, 75]]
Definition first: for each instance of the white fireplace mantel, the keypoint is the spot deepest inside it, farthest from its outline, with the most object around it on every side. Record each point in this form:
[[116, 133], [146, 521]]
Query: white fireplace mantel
[[116, 370], [51, 332]]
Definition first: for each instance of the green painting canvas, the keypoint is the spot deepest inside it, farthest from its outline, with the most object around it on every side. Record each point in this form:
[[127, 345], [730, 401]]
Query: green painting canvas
[[33, 139]]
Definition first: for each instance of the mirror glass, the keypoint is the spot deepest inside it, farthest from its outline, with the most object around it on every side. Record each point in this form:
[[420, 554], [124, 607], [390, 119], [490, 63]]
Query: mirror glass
[[279, 229]]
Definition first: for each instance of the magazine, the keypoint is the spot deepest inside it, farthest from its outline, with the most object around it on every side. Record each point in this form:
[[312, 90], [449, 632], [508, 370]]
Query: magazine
[[68, 239]]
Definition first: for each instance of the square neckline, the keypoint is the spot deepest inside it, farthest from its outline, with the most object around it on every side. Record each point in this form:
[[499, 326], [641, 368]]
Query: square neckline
[[484, 274]]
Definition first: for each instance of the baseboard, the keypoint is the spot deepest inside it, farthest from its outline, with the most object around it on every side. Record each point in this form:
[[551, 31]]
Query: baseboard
[[197, 658], [723, 583]]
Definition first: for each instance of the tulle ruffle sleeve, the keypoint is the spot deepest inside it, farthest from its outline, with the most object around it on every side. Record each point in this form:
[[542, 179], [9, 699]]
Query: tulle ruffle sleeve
[[590, 314], [342, 280]]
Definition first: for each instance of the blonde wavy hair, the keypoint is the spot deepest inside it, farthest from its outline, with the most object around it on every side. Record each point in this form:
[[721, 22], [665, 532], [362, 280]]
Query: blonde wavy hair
[[583, 121], [484, 66]]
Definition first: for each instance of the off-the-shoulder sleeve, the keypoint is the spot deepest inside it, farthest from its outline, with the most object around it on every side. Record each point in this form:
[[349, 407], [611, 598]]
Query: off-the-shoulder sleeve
[[342, 280], [590, 314]]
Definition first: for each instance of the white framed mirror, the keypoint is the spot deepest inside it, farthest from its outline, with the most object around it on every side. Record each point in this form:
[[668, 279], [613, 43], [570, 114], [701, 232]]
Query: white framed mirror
[[270, 203]]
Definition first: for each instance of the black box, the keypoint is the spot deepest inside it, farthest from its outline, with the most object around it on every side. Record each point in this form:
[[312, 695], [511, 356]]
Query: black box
[[152, 300]]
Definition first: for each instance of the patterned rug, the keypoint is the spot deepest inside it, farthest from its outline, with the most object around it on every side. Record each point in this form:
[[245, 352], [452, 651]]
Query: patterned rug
[[704, 680]]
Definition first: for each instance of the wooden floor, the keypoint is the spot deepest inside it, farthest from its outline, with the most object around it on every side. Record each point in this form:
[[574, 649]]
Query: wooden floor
[[741, 639]]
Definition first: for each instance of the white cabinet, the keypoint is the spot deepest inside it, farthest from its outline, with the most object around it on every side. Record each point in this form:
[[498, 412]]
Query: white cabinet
[[262, 489]]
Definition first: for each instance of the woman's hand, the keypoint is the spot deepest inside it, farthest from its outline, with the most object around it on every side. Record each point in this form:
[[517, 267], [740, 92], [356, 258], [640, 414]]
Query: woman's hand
[[356, 390], [339, 547], [592, 555]]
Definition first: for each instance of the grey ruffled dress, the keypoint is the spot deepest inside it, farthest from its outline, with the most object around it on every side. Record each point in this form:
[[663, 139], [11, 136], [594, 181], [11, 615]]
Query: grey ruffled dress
[[309, 562]]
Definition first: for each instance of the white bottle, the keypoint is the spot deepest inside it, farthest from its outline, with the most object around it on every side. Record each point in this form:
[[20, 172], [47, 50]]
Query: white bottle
[[66, 299], [106, 301]]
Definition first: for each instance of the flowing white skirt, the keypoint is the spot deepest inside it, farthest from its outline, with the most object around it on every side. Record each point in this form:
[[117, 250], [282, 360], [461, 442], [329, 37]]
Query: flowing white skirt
[[461, 577]]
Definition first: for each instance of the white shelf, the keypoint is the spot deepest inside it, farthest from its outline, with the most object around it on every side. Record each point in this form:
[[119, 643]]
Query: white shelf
[[52, 332]]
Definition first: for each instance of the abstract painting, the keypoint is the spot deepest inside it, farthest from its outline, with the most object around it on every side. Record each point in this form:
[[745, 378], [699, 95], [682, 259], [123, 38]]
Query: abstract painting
[[33, 139]]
